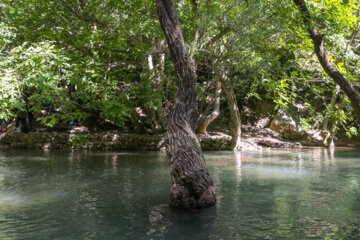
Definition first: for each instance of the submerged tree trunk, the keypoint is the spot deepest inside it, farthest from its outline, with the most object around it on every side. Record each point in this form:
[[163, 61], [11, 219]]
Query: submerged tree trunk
[[209, 116], [326, 64], [192, 186], [235, 120]]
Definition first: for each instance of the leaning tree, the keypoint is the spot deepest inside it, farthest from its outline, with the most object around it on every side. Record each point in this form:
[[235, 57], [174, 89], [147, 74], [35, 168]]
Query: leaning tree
[[331, 70], [192, 186]]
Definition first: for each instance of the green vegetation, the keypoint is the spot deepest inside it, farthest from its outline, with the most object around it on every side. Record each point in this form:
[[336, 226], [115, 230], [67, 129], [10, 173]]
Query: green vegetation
[[108, 60]]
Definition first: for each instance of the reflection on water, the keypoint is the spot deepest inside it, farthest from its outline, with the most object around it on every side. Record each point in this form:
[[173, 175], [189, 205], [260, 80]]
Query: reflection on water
[[270, 194]]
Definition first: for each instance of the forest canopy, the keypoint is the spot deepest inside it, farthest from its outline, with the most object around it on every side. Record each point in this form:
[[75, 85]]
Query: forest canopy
[[108, 60]]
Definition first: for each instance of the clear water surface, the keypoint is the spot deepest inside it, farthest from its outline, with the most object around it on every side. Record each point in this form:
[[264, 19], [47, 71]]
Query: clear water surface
[[277, 194]]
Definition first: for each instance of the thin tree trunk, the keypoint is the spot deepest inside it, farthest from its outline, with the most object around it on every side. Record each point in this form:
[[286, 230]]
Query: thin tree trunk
[[207, 118], [235, 120], [136, 122], [326, 64], [160, 72], [155, 113], [326, 131], [352, 38], [192, 186]]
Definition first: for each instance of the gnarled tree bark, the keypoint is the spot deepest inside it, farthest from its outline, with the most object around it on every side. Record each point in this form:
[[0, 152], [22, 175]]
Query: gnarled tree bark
[[327, 65], [192, 186]]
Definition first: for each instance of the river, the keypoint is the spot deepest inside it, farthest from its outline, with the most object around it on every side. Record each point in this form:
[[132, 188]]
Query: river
[[270, 194]]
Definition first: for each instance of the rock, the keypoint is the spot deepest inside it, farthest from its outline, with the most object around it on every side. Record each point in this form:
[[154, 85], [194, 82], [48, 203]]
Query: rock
[[80, 129], [287, 124], [275, 143]]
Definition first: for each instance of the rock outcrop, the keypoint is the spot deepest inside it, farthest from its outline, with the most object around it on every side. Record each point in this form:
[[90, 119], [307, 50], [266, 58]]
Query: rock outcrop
[[287, 125]]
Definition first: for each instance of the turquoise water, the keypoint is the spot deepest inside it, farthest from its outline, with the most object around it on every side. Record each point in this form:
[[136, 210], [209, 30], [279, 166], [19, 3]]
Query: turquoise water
[[277, 194]]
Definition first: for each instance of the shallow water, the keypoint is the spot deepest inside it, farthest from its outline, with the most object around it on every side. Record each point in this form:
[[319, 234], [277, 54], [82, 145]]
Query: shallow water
[[277, 194]]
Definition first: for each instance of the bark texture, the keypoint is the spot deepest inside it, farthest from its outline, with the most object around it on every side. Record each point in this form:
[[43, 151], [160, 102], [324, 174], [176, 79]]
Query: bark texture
[[212, 112], [235, 119], [192, 186], [326, 64]]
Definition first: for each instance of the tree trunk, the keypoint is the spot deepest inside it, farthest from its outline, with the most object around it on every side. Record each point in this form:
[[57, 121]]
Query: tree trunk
[[235, 120], [160, 111], [192, 186], [326, 64], [327, 133], [206, 118], [155, 75], [136, 121]]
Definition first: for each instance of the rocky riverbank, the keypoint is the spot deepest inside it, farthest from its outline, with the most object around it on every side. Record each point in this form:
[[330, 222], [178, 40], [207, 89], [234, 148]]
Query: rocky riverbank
[[281, 131], [114, 140]]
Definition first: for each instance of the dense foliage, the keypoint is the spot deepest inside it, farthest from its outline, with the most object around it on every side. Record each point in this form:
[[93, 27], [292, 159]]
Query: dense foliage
[[107, 60]]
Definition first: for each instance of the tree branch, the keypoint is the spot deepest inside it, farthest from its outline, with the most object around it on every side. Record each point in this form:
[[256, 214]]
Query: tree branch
[[218, 36]]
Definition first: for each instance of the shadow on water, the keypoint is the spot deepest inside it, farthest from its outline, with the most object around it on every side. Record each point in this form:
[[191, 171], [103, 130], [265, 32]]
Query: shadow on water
[[277, 194]]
